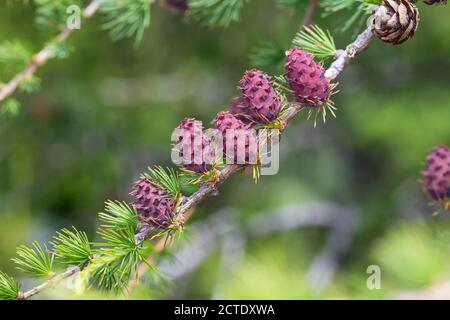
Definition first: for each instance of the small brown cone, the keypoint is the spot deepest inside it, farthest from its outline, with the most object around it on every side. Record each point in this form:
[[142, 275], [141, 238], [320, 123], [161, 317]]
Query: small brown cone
[[395, 21]]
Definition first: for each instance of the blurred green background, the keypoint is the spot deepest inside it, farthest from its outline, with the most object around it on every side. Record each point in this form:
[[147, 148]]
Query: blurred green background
[[105, 114]]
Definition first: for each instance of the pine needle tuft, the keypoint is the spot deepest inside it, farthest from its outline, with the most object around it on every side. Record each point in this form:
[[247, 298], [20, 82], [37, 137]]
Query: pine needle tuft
[[72, 247], [118, 215], [36, 262], [216, 12], [126, 18], [165, 178], [9, 288]]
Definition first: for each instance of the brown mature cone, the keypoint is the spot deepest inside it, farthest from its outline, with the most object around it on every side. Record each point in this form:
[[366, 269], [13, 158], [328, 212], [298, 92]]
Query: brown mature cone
[[395, 21]]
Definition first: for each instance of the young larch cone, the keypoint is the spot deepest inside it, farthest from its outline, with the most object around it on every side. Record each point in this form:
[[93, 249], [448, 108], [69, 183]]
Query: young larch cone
[[177, 5], [437, 175], [154, 205], [192, 138], [395, 21], [243, 138], [307, 78], [262, 100]]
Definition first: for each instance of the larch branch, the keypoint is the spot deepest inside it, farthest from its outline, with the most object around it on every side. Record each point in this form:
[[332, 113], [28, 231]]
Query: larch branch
[[43, 56], [343, 57]]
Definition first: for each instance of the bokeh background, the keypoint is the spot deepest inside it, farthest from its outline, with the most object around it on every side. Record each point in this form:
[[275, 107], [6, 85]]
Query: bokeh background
[[348, 191]]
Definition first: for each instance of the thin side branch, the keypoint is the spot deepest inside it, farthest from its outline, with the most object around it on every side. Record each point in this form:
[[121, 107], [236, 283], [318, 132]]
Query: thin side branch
[[49, 283], [43, 56], [207, 235], [310, 12], [343, 57]]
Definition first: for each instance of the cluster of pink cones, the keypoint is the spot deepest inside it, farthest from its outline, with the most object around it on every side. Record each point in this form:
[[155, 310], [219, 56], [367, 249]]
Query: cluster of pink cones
[[258, 106]]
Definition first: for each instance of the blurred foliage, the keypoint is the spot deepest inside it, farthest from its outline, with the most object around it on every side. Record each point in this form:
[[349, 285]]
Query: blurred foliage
[[126, 18], [216, 12], [410, 255], [356, 11], [105, 114]]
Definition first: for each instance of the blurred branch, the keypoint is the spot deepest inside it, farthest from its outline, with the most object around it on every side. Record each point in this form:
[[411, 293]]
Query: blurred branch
[[310, 12], [232, 253], [223, 230], [324, 266], [206, 238], [43, 56]]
